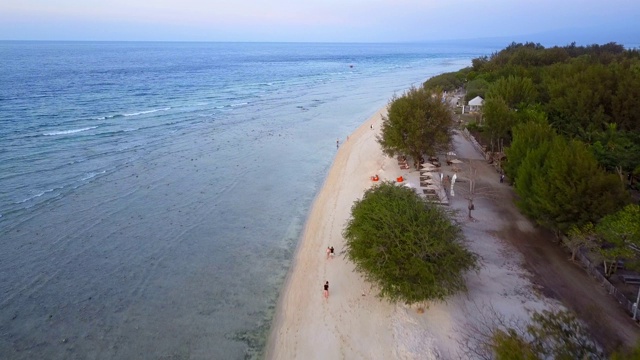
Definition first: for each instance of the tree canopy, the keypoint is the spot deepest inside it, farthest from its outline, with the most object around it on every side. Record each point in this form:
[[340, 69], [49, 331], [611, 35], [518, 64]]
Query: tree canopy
[[526, 137], [583, 91], [561, 185], [418, 123], [406, 245]]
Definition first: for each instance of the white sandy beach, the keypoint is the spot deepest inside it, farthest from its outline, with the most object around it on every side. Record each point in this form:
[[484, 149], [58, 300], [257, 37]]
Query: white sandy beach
[[350, 325]]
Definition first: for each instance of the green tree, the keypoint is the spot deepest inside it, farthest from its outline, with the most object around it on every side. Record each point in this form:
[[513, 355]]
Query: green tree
[[499, 120], [579, 96], [515, 91], [617, 150], [418, 123], [447, 81], [569, 189], [580, 238], [526, 138], [476, 87], [529, 182], [505, 97], [620, 231], [406, 245], [627, 95]]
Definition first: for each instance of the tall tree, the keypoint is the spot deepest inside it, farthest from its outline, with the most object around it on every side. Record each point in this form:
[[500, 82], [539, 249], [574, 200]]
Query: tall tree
[[570, 188], [526, 137], [499, 120], [620, 232], [406, 245], [418, 123], [617, 150], [504, 98], [515, 91], [580, 238]]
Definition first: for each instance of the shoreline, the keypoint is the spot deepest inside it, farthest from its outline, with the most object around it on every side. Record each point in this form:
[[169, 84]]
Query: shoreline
[[354, 323], [331, 208]]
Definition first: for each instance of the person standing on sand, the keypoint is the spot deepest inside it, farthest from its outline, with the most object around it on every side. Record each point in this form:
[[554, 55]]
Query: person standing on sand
[[326, 290], [331, 250], [337, 143], [328, 252]]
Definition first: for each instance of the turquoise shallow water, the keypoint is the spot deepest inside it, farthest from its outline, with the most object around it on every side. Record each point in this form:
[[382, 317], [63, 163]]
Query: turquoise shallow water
[[151, 194]]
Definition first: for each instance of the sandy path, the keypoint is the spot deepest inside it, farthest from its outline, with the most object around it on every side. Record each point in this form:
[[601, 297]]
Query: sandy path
[[547, 262]]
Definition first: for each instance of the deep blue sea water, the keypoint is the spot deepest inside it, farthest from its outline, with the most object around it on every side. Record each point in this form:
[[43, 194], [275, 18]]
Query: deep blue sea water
[[152, 194]]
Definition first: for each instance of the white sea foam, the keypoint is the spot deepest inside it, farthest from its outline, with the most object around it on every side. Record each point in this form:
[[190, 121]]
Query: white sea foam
[[35, 196], [67, 132], [92, 175], [146, 112]]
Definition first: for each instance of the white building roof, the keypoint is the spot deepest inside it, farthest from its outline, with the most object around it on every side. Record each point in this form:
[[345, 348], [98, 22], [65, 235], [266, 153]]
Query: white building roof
[[476, 101]]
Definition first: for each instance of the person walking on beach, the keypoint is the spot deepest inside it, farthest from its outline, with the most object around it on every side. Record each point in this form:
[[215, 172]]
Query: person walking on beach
[[328, 252], [337, 143], [331, 250], [326, 289]]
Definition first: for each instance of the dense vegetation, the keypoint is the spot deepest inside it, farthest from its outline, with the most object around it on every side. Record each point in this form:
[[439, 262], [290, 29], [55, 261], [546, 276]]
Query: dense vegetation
[[590, 93], [569, 118], [406, 245], [559, 182]]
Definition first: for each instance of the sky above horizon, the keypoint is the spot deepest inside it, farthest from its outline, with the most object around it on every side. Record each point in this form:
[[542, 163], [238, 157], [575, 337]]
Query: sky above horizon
[[321, 21]]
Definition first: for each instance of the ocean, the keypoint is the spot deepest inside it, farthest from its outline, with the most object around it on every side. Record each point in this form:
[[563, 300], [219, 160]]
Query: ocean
[[152, 194]]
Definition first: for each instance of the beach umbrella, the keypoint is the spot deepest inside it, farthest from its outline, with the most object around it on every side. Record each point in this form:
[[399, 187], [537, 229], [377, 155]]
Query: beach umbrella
[[426, 173]]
